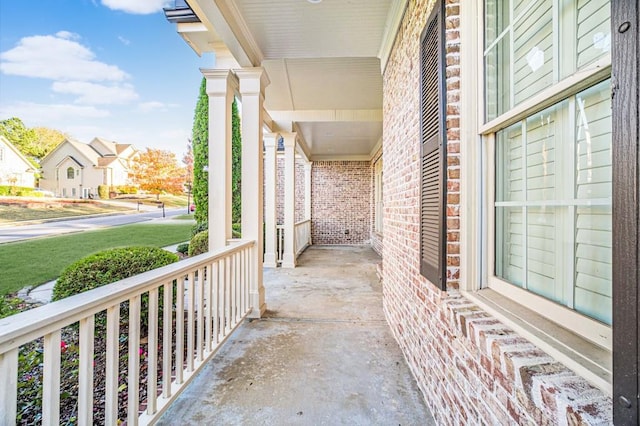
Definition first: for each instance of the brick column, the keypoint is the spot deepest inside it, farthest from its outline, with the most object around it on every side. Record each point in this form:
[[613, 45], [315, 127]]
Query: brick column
[[270, 167], [289, 255], [221, 87]]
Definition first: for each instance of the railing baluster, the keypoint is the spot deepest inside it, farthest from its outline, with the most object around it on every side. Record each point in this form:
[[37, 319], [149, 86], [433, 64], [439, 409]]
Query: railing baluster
[[241, 283], [180, 330], [111, 385], [85, 373], [227, 295], [209, 309], [9, 386], [167, 334], [51, 379], [234, 287], [200, 322], [215, 300], [152, 352], [223, 297], [133, 373], [190, 320]]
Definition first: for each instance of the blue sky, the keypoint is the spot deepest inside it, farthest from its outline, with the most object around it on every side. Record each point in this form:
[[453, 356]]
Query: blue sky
[[116, 69]]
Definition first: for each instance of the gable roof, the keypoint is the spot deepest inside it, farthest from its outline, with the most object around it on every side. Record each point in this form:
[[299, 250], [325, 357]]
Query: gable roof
[[30, 166]]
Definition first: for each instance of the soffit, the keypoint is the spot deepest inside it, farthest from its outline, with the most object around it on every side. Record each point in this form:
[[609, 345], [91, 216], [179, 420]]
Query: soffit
[[319, 57]]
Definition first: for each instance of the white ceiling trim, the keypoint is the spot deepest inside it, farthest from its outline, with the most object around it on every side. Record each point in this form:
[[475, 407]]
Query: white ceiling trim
[[394, 19], [341, 158], [360, 115], [241, 31], [213, 18]]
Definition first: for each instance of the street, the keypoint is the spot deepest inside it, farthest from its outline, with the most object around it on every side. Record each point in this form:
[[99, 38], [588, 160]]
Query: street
[[17, 233]]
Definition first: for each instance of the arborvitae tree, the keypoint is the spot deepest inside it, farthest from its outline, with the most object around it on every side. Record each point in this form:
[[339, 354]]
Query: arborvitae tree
[[236, 164], [200, 144]]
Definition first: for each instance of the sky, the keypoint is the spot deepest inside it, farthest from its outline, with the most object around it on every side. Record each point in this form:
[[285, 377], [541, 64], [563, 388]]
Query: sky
[[115, 69]]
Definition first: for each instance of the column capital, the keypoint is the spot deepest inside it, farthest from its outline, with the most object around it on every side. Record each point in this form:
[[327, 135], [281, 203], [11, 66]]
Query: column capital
[[271, 140], [253, 81], [220, 81], [289, 139]]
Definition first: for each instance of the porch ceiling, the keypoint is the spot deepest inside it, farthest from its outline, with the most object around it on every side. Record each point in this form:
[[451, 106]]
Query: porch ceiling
[[324, 61]]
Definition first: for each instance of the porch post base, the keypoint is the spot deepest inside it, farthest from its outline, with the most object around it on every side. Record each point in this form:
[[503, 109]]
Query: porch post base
[[288, 261], [270, 260]]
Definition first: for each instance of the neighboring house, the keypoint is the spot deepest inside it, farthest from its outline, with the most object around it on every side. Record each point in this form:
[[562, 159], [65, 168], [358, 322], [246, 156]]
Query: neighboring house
[[75, 169], [493, 186], [15, 169]]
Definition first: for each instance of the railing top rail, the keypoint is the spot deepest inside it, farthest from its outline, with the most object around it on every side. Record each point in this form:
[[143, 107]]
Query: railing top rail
[[302, 222], [29, 325]]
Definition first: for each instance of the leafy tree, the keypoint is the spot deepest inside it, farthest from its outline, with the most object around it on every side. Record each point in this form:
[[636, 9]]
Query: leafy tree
[[157, 171], [187, 160], [34, 143], [200, 143], [18, 134], [236, 164], [46, 141]]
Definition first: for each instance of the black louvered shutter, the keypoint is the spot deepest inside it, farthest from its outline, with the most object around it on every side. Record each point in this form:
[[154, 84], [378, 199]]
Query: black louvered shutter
[[432, 140]]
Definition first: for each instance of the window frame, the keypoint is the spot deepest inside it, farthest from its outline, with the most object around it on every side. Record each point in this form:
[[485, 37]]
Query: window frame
[[71, 173], [596, 72]]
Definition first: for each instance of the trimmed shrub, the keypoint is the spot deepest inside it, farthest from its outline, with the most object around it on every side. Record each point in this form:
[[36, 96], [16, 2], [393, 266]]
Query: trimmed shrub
[[199, 227], [127, 189], [110, 266], [103, 192], [19, 191], [199, 243], [183, 248], [236, 230]]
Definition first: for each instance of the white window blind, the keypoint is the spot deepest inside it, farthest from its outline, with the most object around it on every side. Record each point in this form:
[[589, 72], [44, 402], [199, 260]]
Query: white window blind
[[553, 221]]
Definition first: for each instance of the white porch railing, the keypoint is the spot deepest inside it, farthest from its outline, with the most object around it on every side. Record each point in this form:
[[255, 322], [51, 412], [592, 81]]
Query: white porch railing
[[219, 307], [303, 235]]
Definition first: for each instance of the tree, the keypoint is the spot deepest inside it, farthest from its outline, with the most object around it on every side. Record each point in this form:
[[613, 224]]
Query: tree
[[18, 134], [46, 141], [157, 171], [34, 143], [236, 164], [200, 142], [187, 160]]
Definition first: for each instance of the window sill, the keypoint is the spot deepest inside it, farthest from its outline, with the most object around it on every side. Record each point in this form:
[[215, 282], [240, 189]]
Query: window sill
[[578, 354]]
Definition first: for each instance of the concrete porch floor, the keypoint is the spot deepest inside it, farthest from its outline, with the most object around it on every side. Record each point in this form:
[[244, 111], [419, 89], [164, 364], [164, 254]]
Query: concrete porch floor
[[322, 354]]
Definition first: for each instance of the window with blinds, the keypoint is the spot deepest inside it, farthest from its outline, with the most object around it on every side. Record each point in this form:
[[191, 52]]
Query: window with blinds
[[531, 45], [552, 215], [432, 187]]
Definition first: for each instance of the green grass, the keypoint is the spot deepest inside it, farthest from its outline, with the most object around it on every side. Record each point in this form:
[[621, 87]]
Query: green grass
[[148, 199], [184, 217], [33, 262]]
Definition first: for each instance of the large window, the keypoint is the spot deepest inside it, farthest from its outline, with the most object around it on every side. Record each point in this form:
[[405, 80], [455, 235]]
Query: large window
[[70, 173], [548, 103]]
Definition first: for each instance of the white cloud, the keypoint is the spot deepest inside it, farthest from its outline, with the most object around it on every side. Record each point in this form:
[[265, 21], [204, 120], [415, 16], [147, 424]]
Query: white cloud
[[124, 41], [153, 106], [138, 7], [57, 57], [97, 94], [49, 114]]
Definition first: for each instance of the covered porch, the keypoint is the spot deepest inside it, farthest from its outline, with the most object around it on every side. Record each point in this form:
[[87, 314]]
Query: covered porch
[[321, 354]]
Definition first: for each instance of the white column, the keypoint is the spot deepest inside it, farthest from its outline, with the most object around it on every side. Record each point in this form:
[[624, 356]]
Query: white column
[[307, 195], [252, 84], [221, 87], [270, 167], [289, 255]]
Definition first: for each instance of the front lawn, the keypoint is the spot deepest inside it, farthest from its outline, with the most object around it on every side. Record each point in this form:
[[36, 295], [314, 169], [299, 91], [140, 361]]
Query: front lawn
[[34, 262], [23, 209]]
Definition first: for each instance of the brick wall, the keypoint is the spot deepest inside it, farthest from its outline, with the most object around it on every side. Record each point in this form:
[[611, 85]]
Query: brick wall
[[280, 190], [341, 202], [471, 368]]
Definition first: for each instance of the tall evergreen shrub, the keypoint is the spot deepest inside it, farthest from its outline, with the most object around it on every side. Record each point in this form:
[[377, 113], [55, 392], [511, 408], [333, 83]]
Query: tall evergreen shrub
[[200, 143]]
